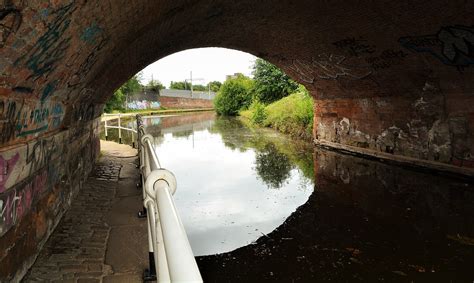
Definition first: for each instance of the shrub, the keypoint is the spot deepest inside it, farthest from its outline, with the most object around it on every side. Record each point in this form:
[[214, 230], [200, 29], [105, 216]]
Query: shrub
[[234, 95], [292, 114], [259, 114]]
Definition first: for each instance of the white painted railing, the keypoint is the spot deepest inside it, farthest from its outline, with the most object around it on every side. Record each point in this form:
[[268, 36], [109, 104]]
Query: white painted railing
[[109, 117], [170, 253]]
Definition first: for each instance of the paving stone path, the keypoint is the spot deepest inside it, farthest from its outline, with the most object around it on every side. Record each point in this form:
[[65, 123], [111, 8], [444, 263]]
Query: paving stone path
[[100, 238]]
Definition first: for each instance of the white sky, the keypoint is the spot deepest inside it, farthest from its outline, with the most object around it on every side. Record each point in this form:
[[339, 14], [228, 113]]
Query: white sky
[[210, 64]]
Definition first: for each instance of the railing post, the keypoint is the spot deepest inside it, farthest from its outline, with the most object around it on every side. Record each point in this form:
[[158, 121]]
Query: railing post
[[133, 140], [143, 162], [120, 128], [150, 273], [105, 126]]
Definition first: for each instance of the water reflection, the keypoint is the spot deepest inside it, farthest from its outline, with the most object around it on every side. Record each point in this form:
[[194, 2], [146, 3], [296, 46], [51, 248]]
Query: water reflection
[[366, 222], [224, 173], [273, 167]]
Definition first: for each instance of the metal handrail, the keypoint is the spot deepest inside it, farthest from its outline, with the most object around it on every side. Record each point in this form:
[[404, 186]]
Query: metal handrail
[[119, 127], [170, 253]]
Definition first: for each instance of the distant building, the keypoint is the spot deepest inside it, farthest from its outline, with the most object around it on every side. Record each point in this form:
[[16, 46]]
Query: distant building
[[234, 76]]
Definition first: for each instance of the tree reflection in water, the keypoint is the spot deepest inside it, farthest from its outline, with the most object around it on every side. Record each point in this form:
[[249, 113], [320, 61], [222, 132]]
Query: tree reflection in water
[[273, 167]]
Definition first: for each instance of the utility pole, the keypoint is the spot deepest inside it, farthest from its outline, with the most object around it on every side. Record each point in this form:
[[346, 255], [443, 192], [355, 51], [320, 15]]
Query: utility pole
[[209, 84], [191, 82]]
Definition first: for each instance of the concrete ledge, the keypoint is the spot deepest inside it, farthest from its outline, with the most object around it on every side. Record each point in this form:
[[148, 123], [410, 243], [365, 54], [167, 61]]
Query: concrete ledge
[[418, 164]]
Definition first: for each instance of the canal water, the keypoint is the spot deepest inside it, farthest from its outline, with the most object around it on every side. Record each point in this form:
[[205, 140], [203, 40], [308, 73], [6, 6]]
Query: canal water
[[260, 207]]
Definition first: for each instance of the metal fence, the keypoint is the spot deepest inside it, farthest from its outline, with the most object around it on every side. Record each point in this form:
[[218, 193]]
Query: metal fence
[[170, 254]]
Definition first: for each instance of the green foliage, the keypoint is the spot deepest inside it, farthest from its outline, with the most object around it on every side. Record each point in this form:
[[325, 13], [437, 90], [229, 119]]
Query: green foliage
[[132, 85], [155, 85], [235, 94], [259, 114], [199, 88], [116, 102], [292, 114], [271, 83], [179, 85], [215, 86]]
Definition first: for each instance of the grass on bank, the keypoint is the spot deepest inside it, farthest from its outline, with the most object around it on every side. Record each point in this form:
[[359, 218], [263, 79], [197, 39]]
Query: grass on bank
[[291, 115]]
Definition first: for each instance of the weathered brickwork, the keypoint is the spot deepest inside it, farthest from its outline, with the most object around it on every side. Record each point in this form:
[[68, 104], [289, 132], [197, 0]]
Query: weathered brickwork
[[177, 102], [41, 179], [417, 127], [387, 75]]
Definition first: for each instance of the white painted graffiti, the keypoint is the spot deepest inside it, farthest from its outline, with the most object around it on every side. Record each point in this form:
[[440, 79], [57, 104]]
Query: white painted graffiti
[[328, 67]]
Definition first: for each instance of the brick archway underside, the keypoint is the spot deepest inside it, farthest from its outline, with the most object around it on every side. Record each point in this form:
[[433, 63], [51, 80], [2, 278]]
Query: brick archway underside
[[387, 76]]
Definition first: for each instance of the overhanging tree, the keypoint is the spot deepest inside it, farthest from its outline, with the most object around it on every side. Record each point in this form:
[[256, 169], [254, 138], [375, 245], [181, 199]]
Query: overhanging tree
[[271, 83]]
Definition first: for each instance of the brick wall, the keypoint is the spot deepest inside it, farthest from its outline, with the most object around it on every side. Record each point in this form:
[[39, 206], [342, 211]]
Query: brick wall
[[183, 103], [387, 76], [415, 127], [42, 176]]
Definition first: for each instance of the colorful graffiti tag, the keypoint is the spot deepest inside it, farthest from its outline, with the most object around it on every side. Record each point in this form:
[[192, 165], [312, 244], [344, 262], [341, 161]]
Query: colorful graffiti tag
[[16, 203], [51, 46], [6, 168], [19, 119], [142, 105]]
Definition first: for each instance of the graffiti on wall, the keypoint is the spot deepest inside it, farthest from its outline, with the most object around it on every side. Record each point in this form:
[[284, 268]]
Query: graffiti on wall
[[96, 40], [39, 153], [19, 119], [51, 46], [8, 119], [85, 112], [355, 46], [328, 67], [91, 33], [36, 168], [451, 45], [15, 203], [386, 59], [360, 47], [10, 21], [142, 105], [6, 168]]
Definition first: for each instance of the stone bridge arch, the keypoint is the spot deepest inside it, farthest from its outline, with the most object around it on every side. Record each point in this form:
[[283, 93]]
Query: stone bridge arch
[[389, 78]]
